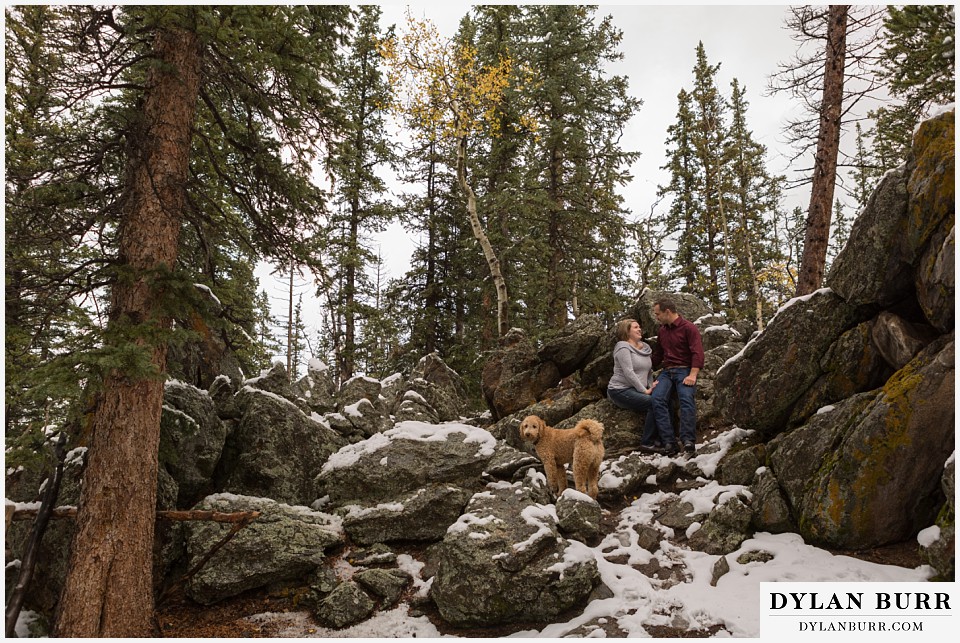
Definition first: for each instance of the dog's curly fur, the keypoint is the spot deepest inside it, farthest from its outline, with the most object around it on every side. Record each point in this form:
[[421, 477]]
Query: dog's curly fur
[[581, 446]]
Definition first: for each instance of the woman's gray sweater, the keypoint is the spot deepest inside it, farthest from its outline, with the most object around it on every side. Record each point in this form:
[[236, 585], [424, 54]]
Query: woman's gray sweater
[[631, 367]]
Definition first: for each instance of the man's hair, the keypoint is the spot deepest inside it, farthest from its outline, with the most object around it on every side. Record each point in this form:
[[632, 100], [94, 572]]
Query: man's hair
[[622, 330], [666, 304]]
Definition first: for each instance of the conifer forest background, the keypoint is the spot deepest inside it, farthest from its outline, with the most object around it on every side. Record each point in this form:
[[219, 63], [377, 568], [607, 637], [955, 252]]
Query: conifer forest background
[[508, 144]]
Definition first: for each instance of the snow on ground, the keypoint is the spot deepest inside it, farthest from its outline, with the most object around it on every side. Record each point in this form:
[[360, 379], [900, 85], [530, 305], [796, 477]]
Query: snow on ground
[[639, 601], [686, 599], [395, 623]]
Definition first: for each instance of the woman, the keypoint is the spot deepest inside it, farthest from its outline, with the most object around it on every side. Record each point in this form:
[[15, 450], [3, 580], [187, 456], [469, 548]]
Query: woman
[[631, 385]]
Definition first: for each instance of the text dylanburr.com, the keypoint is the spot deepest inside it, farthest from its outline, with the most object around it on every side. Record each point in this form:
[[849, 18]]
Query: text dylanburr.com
[[858, 611]]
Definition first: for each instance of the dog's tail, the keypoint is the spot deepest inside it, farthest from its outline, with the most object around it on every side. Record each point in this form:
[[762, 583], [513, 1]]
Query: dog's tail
[[590, 429]]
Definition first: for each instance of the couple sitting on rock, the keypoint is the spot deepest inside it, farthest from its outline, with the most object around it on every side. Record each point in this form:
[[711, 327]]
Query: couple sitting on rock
[[680, 352]]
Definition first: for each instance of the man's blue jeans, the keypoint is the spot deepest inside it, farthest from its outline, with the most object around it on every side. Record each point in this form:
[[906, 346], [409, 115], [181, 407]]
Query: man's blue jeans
[[633, 400], [671, 379]]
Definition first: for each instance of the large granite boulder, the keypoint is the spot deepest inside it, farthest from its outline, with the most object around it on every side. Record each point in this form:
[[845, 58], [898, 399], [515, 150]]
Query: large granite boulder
[[902, 218], [412, 455], [578, 516], [938, 542], [898, 340], [191, 439], [865, 472], [317, 388], [360, 388], [570, 347], [504, 561], [441, 386], [871, 269], [716, 336], [204, 354], [514, 354], [758, 388], [421, 515], [853, 364], [274, 380], [624, 477], [364, 418], [599, 367], [524, 389], [771, 511], [276, 450], [725, 529], [931, 186], [428, 401], [936, 281], [347, 604], [285, 543]]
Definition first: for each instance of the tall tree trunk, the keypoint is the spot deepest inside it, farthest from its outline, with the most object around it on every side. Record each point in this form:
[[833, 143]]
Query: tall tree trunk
[[503, 323], [727, 272], [556, 281], [290, 321], [350, 293], [431, 301], [108, 590], [817, 235], [754, 278]]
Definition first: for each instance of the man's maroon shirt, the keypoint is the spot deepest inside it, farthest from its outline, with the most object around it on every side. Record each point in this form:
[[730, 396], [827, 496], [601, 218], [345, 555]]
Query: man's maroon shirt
[[680, 345]]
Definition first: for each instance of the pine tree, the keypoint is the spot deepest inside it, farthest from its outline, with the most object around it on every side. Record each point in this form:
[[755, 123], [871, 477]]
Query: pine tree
[[355, 161], [840, 232], [451, 95], [58, 226], [298, 341], [701, 183], [576, 162], [754, 196], [864, 172], [919, 63], [445, 267], [197, 118], [686, 181], [709, 139], [919, 55]]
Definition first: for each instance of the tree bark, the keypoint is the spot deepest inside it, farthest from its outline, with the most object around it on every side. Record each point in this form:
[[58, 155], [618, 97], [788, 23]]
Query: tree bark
[[108, 591], [813, 262], [488, 253]]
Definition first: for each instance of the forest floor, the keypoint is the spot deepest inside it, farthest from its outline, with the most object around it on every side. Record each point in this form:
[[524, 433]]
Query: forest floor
[[179, 617]]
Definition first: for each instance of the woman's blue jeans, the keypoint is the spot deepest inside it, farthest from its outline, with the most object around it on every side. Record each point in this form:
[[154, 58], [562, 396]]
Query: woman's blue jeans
[[671, 379], [633, 400]]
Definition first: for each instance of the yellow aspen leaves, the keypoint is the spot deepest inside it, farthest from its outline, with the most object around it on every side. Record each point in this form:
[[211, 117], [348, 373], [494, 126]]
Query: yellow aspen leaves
[[441, 86]]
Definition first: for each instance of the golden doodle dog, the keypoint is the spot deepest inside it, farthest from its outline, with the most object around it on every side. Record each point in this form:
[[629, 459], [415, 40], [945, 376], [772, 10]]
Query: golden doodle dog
[[582, 446]]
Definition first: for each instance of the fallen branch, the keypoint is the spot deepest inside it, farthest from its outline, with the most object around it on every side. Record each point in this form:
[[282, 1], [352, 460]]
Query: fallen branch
[[250, 516], [210, 516], [32, 548]]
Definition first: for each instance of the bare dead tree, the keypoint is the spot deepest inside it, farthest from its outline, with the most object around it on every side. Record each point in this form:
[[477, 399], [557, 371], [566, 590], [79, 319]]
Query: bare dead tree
[[832, 83]]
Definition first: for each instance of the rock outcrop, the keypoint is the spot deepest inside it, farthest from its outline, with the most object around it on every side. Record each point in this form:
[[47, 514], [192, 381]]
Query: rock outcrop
[[504, 560], [854, 384], [284, 543]]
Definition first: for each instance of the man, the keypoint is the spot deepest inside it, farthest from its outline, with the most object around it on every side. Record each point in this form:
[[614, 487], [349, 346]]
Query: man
[[680, 351]]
